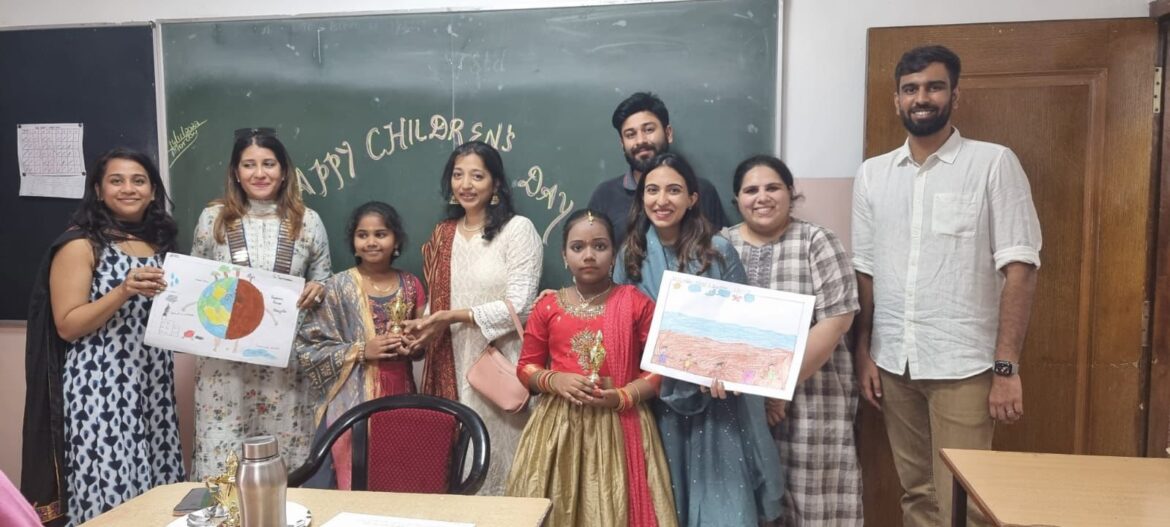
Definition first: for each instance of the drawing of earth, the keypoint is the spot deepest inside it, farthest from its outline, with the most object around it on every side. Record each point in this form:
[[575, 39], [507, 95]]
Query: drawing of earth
[[230, 308]]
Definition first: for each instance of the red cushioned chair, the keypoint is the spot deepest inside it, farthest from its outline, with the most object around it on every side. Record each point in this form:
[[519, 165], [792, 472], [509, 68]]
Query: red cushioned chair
[[407, 443]]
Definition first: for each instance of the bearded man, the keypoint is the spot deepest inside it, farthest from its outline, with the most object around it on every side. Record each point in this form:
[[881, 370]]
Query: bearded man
[[643, 126], [946, 247]]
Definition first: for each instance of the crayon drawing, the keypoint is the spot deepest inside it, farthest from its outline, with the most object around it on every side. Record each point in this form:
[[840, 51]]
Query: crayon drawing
[[225, 311], [751, 338]]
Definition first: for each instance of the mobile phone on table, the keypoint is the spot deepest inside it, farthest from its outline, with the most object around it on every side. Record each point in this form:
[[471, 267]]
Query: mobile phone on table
[[199, 498]]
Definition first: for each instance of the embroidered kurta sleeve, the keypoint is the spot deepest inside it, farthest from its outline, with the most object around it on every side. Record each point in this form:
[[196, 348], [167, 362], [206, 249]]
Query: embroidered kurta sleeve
[[203, 245], [523, 255], [832, 275], [318, 265]]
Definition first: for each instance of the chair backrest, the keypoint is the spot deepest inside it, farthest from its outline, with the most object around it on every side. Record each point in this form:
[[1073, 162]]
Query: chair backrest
[[407, 443]]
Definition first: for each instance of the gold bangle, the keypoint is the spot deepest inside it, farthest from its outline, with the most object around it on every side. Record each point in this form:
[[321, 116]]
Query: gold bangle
[[626, 401], [638, 393], [470, 316]]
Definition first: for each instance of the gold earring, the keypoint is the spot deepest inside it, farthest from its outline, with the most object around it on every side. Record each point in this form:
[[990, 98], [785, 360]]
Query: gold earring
[[495, 199], [453, 200]]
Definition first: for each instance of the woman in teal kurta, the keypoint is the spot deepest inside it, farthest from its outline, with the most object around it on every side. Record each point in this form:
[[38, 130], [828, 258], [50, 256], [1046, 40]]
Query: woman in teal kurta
[[724, 468]]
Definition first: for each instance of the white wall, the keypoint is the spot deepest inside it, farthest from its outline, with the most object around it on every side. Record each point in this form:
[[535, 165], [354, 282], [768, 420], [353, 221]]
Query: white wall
[[824, 47], [823, 92], [824, 82]]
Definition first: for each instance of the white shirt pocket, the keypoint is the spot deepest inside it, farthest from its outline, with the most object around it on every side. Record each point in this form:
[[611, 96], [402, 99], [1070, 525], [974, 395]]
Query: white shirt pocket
[[955, 214]]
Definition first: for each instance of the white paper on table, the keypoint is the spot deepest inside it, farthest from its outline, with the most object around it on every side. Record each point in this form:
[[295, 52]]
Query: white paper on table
[[52, 163], [751, 338], [225, 311], [351, 519]]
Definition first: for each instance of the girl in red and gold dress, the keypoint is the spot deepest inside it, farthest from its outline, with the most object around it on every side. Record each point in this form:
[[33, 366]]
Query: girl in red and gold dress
[[592, 446]]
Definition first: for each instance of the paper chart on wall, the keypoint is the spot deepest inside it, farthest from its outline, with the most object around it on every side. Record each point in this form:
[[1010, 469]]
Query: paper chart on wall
[[751, 338], [225, 311], [52, 163]]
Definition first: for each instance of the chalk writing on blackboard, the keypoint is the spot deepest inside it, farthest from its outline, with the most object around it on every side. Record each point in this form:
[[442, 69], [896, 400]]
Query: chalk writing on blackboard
[[182, 139], [404, 133], [51, 160], [328, 167], [535, 188], [381, 142]]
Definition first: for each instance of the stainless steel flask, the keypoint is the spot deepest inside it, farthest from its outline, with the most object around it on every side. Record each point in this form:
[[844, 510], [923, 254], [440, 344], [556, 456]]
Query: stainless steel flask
[[263, 482]]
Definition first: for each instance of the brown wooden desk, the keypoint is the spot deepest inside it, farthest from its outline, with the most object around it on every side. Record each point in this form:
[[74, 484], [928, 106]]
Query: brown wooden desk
[[1025, 489], [153, 509]]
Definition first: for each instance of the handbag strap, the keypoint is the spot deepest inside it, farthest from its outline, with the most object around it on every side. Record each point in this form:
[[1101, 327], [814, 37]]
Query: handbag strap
[[515, 319]]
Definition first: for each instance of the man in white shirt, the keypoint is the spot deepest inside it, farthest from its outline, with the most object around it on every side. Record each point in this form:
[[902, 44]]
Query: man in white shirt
[[946, 246]]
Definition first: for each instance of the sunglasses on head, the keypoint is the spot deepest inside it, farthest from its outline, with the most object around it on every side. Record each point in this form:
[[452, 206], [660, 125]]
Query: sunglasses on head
[[249, 132]]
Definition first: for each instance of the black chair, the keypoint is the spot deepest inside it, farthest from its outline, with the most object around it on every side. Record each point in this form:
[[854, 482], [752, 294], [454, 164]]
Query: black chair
[[467, 428]]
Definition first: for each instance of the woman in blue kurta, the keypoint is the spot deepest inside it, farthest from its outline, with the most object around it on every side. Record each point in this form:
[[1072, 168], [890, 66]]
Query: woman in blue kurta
[[724, 469]]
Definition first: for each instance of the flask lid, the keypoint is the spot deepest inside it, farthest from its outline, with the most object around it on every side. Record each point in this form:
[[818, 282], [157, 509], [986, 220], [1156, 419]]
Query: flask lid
[[260, 447]]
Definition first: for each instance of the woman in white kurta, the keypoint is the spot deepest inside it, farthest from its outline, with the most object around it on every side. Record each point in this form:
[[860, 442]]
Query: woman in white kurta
[[260, 222], [480, 256]]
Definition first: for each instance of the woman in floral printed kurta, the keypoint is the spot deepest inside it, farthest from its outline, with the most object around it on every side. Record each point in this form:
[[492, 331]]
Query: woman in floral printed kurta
[[260, 222]]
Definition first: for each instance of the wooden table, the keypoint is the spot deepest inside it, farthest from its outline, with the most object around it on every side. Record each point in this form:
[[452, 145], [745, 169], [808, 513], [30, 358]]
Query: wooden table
[[1018, 489], [153, 509]]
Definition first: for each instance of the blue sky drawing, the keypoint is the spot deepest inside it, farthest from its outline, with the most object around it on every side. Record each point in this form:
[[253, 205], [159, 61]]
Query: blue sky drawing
[[724, 332]]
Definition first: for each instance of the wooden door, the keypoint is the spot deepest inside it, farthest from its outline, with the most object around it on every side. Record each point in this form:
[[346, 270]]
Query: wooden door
[[1074, 100], [1158, 442]]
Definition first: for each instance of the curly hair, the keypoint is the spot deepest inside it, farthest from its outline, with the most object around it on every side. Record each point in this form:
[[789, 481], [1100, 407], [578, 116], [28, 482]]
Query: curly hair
[[100, 226]]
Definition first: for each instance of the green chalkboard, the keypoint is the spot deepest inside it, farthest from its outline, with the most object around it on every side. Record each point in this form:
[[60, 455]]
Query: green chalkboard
[[371, 106]]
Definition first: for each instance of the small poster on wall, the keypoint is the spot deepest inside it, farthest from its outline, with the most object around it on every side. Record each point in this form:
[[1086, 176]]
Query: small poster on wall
[[750, 338], [225, 311], [52, 163]]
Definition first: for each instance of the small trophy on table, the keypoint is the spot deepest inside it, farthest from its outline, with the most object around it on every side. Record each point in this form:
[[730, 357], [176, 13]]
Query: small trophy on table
[[399, 311], [596, 357], [226, 511]]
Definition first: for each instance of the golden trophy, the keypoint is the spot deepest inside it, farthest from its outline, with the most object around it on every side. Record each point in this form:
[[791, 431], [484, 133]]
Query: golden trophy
[[596, 357], [399, 311], [226, 511]]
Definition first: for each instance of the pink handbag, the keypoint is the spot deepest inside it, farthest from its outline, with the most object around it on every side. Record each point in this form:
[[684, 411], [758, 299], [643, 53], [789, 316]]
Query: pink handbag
[[494, 376]]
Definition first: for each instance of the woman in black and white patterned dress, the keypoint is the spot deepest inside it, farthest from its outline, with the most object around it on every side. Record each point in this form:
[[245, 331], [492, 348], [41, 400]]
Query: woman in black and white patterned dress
[[120, 427]]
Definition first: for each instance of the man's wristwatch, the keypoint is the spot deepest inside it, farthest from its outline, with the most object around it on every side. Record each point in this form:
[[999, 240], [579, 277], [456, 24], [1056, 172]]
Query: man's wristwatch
[[1006, 368]]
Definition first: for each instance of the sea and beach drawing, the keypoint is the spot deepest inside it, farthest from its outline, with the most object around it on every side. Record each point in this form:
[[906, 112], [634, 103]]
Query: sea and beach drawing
[[225, 311], [751, 338]]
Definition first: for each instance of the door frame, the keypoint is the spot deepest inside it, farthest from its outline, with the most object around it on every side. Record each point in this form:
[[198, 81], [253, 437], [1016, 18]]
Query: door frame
[[1158, 326]]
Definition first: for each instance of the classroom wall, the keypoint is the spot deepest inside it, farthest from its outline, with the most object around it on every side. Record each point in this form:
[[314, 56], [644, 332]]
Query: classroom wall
[[822, 99]]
